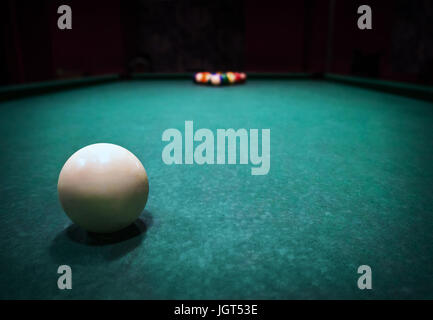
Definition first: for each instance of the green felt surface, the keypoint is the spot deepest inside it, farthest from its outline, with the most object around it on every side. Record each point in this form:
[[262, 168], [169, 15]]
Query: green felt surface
[[350, 184]]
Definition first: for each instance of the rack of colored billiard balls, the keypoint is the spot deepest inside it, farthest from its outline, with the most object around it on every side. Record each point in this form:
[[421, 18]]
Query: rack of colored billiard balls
[[220, 78]]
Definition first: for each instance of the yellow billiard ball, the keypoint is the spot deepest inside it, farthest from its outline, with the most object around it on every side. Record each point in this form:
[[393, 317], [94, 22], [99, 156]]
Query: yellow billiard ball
[[231, 76]]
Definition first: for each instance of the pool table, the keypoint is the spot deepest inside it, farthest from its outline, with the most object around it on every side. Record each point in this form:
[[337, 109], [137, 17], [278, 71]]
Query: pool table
[[350, 184]]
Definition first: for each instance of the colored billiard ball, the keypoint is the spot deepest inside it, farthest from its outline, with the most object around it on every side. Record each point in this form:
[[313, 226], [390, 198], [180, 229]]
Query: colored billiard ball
[[231, 77], [237, 77], [243, 76], [206, 77], [215, 79], [103, 188], [198, 77], [224, 79]]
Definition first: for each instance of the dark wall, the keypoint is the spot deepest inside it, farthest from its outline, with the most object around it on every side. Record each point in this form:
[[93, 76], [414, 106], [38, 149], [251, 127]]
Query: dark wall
[[95, 45], [316, 51], [360, 50], [274, 36], [179, 36], [114, 36], [412, 39], [399, 47], [35, 49], [27, 48]]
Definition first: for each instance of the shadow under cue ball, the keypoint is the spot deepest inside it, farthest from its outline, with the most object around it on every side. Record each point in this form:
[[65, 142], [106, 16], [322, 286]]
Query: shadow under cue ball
[[103, 188]]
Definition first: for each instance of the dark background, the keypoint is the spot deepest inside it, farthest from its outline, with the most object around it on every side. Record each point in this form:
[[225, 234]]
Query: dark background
[[114, 36]]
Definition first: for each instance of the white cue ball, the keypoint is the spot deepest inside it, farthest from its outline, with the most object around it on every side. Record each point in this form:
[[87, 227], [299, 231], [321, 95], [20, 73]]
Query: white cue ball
[[215, 79], [103, 188]]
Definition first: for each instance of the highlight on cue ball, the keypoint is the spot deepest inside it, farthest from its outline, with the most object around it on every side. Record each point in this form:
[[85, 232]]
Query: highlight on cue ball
[[103, 188]]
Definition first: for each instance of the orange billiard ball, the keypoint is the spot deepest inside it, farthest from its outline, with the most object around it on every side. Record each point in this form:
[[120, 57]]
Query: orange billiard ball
[[206, 77]]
